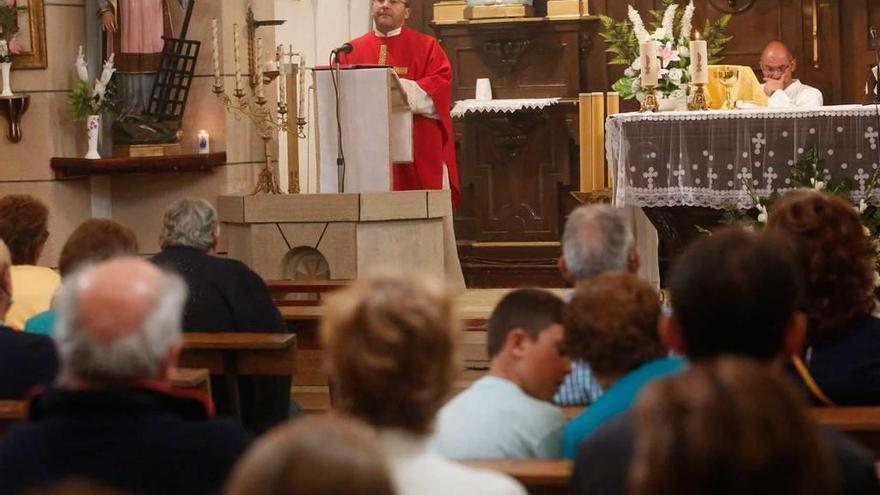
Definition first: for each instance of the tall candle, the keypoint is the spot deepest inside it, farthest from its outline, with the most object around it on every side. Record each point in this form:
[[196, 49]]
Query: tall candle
[[650, 65], [235, 47], [216, 54], [282, 73], [699, 61], [260, 93]]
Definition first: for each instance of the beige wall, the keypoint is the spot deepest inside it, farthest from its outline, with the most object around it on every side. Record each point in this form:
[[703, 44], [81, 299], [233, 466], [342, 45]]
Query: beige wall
[[136, 200]]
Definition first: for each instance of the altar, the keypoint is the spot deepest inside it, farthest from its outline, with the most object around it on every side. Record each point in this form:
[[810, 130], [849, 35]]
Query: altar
[[683, 168]]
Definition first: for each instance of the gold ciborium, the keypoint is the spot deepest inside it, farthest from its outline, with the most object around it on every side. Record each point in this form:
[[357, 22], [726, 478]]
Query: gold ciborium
[[728, 76]]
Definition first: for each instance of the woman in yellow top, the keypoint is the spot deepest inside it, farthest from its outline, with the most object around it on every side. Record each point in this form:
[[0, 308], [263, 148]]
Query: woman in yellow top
[[23, 222]]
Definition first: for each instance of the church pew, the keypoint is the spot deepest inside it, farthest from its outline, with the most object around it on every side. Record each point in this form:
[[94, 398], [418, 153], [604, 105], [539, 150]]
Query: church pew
[[239, 353], [191, 379], [11, 412], [539, 476], [860, 423]]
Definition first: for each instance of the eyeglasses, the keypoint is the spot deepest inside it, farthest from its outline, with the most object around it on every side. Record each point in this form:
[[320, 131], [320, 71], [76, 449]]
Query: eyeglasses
[[775, 69], [393, 3]]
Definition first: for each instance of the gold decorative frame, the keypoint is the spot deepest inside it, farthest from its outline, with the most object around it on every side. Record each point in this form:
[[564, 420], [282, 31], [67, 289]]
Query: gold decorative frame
[[36, 58]]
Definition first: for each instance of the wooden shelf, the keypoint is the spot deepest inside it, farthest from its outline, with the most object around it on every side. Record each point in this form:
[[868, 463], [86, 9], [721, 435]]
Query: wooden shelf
[[82, 167]]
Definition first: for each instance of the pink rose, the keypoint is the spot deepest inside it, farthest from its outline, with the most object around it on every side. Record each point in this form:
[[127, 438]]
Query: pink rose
[[14, 45], [10, 3]]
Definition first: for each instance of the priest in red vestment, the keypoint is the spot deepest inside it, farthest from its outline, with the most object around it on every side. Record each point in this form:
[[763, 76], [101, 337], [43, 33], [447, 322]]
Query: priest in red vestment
[[427, 78]]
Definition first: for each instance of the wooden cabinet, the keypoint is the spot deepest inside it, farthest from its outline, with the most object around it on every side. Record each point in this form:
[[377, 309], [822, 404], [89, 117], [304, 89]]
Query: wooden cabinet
[[516, 169]]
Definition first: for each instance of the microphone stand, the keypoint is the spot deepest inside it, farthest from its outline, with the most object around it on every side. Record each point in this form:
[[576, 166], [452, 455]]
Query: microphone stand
[[340, 154]]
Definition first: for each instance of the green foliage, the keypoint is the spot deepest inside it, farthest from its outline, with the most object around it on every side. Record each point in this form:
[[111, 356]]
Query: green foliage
[[82, 103], [621, 42]]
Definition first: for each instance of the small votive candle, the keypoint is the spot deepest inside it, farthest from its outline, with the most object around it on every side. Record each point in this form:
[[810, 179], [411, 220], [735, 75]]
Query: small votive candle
[[204, 142]]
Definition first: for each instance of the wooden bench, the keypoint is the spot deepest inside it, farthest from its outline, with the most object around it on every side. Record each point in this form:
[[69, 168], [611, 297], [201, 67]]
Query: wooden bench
[[11, 412], [239, 353], [539, 476], [861, 423], [191, 379]]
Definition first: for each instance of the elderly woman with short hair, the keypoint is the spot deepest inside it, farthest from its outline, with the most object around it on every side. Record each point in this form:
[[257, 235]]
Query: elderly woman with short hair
[[224, 296]]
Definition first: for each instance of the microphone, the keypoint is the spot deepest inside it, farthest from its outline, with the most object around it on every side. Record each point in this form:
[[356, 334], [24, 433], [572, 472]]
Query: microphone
[[345, 48]]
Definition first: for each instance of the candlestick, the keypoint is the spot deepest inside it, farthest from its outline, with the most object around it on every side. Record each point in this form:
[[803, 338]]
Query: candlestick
[[699, 61], [650, 103], [216, 55], [698, 98], [650, 74], [235, 47], [260, 94]]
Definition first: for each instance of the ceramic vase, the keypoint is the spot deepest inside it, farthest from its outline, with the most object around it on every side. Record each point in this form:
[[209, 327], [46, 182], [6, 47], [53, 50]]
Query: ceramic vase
[[93, 125], [5, 67]]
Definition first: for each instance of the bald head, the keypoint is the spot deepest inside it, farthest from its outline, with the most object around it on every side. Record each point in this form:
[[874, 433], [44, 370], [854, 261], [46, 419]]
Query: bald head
[[778, 63], [115, 297], [119, 320]]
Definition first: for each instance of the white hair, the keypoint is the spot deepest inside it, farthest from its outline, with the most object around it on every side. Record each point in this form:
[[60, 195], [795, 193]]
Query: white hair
[[597, 239], [141, 354], [189, 222]]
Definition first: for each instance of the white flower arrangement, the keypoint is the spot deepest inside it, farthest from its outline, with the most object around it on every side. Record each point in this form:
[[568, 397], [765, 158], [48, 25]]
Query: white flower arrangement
[[672, 31], [94, 99]]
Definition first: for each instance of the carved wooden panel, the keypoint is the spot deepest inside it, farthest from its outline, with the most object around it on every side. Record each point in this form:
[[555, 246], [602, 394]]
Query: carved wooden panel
[[513, 166], [534, 59]]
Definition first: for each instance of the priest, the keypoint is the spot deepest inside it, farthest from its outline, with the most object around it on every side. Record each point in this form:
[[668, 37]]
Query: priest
[[426, 75], [778, 66]]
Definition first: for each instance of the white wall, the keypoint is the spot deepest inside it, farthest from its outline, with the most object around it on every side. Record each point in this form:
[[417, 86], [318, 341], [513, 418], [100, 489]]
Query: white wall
[[314, 27]]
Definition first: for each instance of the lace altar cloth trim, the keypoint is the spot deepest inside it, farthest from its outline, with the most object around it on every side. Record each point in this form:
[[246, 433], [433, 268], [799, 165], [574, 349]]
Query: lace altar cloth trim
[[509, 106], [711, 159]]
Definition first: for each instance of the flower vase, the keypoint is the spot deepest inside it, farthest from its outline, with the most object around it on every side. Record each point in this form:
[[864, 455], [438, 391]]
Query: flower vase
[[672, 104], [4, 70], [93, 125]]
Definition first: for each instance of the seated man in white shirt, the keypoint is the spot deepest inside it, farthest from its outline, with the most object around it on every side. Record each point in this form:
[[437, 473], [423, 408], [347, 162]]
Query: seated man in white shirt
[[508, 414], [777, 66]]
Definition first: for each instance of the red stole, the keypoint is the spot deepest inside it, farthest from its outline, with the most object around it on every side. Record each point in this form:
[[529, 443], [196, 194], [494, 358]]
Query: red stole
[[418, 57]]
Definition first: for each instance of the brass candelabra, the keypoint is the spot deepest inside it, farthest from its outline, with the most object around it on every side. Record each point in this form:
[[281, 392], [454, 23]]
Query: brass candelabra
[[250, 100], [650, 103]]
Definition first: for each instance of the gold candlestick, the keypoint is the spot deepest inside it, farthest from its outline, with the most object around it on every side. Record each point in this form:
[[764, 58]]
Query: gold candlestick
[[650, 103], [698, 99]]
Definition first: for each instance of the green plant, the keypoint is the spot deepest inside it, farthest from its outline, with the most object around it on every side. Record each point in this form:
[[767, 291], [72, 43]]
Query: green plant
[[671, 27]]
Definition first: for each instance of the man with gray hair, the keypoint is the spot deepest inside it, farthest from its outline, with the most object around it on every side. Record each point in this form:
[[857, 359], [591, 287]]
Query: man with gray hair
[[224, 296], [597, 239], [113, 417]]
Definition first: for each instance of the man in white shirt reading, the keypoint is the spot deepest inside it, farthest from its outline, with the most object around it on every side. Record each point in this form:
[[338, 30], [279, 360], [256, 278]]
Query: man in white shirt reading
[[778, 66]]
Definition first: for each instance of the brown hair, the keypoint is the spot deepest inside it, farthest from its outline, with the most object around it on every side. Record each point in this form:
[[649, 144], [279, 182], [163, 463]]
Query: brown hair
[[315, 455], [23, 226], [612, 323], [727, 426], [390, 348], [96, 240], [836, 257], [532, 310]]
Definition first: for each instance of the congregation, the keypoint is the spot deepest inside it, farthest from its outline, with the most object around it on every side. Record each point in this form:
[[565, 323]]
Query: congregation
[[707, 390]]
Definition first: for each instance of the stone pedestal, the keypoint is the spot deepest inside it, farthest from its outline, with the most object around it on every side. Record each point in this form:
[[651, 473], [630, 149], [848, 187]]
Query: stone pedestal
[[336, 236]]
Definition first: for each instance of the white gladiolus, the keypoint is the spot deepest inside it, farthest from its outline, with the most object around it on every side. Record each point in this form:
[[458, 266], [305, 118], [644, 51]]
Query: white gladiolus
[[108, 71], [82, 69], [686, 20], [638, 26], [862, 206], [668, 18]]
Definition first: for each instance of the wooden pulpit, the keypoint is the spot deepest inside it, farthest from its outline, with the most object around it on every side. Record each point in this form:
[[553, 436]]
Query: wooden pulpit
[[375, 121]]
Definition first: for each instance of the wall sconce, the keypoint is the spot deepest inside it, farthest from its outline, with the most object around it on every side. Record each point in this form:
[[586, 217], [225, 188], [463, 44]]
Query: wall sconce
[[13, 108]]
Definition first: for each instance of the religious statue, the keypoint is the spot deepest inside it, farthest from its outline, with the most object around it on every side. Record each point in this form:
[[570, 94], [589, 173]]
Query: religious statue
[[155, 70]]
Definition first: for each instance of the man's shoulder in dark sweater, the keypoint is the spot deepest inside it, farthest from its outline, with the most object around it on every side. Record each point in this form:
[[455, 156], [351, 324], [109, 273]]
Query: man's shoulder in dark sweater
[[26, 360]]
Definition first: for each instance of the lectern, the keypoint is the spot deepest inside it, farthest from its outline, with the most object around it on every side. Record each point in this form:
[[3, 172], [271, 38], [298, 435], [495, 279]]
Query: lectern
[[375, 120]]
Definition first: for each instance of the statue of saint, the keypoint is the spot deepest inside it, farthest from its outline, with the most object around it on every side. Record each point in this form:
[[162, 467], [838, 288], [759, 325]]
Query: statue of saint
[[134, 34]]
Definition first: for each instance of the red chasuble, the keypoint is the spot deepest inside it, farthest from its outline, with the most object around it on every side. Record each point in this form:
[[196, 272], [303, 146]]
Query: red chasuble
[[418, 57]]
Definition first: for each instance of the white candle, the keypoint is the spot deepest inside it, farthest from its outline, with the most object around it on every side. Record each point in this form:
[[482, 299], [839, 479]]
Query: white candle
[[216, 53], [699, 61], [204, 142], [235, 46], [650, 65], [259, 65]]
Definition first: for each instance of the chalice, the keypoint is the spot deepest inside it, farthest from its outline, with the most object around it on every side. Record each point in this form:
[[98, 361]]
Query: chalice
[[728, 76]]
